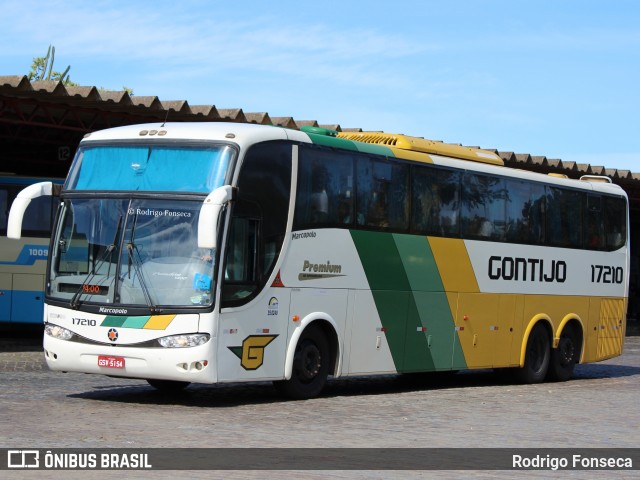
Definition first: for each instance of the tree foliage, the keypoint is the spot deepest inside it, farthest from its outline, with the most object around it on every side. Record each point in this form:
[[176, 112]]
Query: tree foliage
[[42, 69]]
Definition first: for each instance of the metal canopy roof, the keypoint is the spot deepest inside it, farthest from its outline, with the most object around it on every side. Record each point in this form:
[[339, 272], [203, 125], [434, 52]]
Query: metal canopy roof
[[42, 122]]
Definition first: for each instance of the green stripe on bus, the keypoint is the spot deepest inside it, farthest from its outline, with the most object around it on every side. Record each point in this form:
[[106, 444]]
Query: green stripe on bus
[[136, 322], [125, 322], [111, 321], [375, 149], [410, 299], [432, 311], [389, 285], [345, 144]]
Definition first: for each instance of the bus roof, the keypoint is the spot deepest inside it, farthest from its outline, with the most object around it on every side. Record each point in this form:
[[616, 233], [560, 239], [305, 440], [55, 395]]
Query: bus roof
[[416, 144], [392, 145], [243, 134]]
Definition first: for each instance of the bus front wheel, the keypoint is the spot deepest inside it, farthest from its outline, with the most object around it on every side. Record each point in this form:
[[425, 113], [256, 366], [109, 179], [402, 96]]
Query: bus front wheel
[[537, 356], [310, 366]]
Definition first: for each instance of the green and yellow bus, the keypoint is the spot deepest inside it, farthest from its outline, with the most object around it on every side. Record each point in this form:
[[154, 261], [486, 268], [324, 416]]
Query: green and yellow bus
[[217, 252]]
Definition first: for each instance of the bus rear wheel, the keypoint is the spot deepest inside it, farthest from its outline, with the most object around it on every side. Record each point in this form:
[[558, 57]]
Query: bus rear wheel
[[167, 386], [565, 357], [310, 366], [537, 356]]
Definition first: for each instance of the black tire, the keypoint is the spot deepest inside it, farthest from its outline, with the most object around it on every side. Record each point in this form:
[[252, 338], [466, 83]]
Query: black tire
[[168, 386], [537, 356], [310, 366], [565, 357]]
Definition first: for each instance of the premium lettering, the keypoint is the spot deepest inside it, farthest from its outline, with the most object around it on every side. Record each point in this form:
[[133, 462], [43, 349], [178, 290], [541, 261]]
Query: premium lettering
[[321, 267]]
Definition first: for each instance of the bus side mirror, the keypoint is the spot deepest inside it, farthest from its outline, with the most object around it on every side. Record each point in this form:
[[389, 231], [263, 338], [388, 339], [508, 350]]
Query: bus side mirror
[[20, 204], [209, 213]]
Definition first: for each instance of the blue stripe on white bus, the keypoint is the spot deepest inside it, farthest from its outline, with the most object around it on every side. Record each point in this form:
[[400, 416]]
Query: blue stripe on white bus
[[29, 254]]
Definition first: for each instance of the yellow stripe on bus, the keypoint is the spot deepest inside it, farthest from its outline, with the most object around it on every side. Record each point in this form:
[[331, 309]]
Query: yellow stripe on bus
[[454, 265], [159, 322]]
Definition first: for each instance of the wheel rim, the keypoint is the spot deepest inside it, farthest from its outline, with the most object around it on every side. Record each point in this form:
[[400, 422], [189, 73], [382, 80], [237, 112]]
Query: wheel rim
[[310, 361], [566, 350]]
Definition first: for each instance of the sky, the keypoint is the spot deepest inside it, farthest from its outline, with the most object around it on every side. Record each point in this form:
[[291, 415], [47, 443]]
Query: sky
[[558, 78]]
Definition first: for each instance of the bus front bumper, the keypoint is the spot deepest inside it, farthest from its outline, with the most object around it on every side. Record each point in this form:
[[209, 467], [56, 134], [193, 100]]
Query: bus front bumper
[[188, 364]]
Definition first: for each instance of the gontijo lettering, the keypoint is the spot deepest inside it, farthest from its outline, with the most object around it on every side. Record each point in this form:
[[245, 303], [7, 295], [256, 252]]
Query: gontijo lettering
[[527, 269]]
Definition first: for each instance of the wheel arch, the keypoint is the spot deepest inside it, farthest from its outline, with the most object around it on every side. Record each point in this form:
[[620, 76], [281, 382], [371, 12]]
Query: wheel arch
[[330, 329], [575, 321], [543, 319]]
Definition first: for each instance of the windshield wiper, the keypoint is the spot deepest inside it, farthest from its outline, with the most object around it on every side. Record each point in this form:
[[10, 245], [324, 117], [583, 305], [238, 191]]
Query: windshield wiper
[[137, 266], [108, 252]]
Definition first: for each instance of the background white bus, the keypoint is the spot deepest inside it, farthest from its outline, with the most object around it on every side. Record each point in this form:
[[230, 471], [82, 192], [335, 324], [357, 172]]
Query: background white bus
[[231, 252]]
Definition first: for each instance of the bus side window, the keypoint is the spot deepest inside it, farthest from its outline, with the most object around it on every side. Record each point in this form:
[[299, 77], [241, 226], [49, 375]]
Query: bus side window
[[241, 267], [615, 218], [37, 217], [525, 212], [483, 207], [564, 217], [436, 201], [594, 223], [325, 188], [383, 194], [258, 221]]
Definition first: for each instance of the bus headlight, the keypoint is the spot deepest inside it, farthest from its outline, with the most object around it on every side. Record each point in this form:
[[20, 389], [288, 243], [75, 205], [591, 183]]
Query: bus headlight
[[180, 341], [58, 332]]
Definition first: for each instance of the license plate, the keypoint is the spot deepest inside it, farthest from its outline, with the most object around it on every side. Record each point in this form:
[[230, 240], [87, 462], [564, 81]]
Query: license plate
[[110, 362]]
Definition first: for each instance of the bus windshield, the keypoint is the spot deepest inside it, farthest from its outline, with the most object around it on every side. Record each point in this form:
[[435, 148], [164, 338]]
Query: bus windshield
[[130, 252]]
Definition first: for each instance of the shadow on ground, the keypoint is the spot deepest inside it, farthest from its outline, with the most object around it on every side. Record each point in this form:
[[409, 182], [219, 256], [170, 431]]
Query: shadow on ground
[[231, 395]]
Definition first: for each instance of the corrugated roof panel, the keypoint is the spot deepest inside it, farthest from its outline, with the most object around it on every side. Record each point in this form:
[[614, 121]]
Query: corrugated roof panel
[[19, 86]]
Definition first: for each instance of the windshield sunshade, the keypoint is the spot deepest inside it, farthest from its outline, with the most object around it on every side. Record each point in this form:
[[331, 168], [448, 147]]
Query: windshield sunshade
[[150, 168]]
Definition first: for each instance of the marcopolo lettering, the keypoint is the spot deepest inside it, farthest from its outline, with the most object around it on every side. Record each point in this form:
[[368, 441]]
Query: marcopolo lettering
[[299, 235], [527, 269], [113, 311]]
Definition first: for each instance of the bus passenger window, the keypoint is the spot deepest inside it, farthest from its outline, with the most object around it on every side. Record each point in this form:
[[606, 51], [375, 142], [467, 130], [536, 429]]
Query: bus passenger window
[[615, 218], [319, 200], [436, 201], [325, 188], [564, 217], [382, 200], [483, 207], [594, 223], [525, 212]]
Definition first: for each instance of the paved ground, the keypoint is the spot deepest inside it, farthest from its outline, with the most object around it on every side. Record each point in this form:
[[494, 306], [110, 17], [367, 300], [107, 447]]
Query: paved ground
[[43, 409]]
